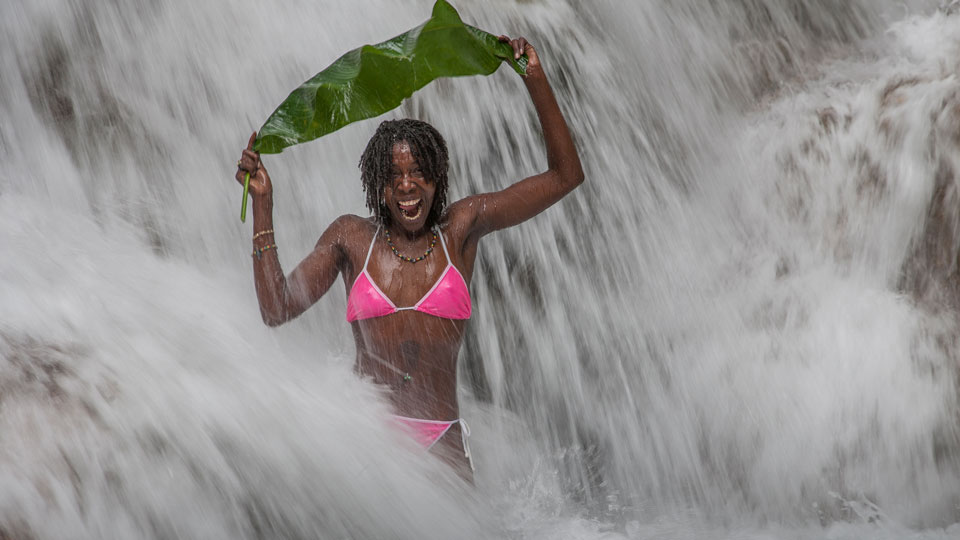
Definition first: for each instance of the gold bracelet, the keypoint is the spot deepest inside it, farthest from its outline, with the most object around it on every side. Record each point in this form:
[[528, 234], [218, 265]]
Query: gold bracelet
[[261, 233], [259, 251]]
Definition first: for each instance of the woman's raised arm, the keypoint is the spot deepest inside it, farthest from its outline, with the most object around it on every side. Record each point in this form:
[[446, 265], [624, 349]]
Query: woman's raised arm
[[489, 212], [284, 298]]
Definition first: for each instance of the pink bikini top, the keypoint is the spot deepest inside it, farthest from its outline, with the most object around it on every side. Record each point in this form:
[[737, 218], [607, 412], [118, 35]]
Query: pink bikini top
[[449, 297]]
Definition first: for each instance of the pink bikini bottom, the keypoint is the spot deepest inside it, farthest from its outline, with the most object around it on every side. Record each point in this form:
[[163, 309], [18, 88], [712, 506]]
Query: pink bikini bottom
[[428, 432]]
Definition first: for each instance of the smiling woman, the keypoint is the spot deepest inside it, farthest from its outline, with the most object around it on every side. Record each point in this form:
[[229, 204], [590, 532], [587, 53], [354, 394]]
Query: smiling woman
[[405, 147], [407, 302]]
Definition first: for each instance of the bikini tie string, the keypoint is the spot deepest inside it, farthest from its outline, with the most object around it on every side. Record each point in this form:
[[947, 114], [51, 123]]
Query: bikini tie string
[[465, 438]]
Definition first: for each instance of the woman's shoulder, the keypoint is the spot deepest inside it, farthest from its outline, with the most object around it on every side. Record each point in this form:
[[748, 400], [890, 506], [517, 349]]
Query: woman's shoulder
[[456, 224], [351, 220], [353, 223], [350, 235], [460, 215], [349, 228]]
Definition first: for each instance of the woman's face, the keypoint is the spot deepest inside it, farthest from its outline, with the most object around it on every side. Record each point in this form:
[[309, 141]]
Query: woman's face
[[408, 193]]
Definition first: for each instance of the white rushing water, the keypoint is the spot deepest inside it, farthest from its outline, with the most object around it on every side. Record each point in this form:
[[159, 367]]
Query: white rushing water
[[742, 326]]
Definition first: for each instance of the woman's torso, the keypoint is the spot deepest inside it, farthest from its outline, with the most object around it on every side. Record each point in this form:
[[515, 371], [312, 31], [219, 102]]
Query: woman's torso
[[413, 353]]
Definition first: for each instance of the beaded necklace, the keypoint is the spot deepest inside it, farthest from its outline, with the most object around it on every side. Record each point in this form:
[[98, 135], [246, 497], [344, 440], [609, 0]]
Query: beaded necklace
[[386, 234]]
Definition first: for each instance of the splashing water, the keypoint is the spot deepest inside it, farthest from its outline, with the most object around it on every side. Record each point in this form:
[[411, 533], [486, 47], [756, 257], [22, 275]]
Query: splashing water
[[742, 326]]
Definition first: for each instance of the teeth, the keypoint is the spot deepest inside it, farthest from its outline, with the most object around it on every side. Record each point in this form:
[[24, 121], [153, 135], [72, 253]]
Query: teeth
[[415, 216], [407, 206]]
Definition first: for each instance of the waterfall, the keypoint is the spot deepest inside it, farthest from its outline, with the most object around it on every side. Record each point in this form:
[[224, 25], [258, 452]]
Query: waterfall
[[742, 325]]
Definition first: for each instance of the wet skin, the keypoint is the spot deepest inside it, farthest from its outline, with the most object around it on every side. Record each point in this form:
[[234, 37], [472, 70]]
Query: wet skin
[[409, 342]]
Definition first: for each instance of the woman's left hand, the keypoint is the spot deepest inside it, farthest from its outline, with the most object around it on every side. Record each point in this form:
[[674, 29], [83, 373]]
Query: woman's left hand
[[520, 47]]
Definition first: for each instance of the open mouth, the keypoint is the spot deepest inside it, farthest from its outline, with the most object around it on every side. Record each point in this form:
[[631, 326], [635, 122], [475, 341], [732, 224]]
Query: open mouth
[[411, 210]]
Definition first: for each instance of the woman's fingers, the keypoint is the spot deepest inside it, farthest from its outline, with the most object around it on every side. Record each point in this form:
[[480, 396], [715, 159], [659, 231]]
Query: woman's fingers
[[249, 160], [519, 45], [516, 44]]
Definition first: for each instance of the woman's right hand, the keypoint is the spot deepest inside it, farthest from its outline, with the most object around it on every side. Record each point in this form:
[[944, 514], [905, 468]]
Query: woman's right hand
[[250, 162]]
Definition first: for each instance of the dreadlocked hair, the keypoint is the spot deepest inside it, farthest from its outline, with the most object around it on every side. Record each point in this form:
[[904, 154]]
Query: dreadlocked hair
[[376, 163]]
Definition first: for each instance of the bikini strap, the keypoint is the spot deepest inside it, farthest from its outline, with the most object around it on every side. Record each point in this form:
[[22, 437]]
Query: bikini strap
[[370, 250], [444, 244]]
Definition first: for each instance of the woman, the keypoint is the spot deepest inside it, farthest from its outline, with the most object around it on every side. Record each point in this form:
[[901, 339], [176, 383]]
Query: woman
[[407, 268]]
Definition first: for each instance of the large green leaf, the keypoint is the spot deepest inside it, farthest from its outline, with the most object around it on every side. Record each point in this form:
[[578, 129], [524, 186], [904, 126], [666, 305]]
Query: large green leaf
[[374, 79]]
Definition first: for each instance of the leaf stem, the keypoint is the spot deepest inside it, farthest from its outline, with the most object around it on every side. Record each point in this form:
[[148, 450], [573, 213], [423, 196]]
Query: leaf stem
[[246, 192]]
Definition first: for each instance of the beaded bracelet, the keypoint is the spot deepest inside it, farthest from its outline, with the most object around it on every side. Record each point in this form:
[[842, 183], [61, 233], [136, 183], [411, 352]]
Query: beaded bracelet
[[259, 251], [261, 233]]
